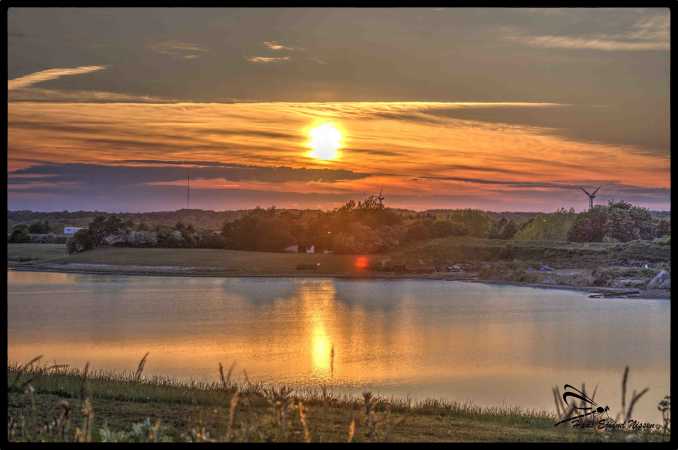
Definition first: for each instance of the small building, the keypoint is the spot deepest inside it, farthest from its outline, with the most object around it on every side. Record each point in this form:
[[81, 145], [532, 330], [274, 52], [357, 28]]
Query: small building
[[310, 249], [292, 249], [70, 231]]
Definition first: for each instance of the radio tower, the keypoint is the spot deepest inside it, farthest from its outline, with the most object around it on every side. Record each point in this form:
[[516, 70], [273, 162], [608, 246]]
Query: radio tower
[[188, 189]]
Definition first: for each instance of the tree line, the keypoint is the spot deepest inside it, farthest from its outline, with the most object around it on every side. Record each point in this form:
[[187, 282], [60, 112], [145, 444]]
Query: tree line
[[368, 227]]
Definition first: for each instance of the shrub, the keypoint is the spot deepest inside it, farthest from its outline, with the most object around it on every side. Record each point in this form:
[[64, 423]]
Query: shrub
[[547, 227], [590, 226], [663, 228], [20, 234], [503, 229], [626, 222], [81, 241], [39, 227]]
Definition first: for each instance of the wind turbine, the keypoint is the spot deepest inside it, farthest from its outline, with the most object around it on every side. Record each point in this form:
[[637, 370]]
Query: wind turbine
[[591, 195]]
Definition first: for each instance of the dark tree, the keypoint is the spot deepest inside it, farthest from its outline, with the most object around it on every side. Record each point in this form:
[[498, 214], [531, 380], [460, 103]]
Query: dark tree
[[20, 235], [81, 241], [590, 226]]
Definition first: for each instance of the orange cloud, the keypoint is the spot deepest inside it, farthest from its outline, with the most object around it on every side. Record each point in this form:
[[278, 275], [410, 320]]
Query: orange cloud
[[401, 146], [49, 74]]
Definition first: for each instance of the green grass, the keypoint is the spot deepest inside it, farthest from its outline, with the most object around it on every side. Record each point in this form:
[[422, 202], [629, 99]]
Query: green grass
[[558, 253], [224, 261], [547, 227], [61, 403], [35, 252]]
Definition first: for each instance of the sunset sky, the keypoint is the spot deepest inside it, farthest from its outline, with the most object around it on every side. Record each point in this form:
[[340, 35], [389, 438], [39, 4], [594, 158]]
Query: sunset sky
[[498, 109]]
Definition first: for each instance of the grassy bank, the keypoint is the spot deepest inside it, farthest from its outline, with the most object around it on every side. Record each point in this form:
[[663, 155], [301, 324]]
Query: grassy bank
[[222, 261], [24, 253], [557, 253], [60, 403], [575, 265], [434, 252]]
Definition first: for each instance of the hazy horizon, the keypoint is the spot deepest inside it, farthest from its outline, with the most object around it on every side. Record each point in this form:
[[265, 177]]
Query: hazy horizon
[[500, 109]]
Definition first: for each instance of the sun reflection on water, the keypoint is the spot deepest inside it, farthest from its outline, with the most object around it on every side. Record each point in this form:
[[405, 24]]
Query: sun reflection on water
[[318, 301]]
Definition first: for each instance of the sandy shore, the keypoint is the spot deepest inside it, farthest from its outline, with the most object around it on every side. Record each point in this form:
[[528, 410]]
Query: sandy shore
[[139, 270]]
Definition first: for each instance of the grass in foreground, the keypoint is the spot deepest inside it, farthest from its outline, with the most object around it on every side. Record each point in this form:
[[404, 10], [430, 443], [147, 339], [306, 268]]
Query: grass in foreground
[[59, 403]]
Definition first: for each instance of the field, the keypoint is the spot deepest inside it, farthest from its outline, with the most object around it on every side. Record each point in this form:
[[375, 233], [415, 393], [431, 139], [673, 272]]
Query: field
[[221, 261], [128, 407], [35, 252], [486, 256]]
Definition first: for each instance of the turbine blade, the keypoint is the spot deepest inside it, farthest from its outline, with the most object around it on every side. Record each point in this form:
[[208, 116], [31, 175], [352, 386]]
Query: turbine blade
[[594, 192]]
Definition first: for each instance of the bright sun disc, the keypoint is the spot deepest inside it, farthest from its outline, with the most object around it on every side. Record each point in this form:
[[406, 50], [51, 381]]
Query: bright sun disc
[[324, 141]]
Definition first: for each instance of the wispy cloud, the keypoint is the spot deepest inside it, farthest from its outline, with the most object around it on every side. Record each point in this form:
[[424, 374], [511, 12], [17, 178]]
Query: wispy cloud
[[649, 33], [160, 171], [267, 59], [317, 60], [49, 74], [277, 46], [184, 50], [599, 43], [53, 95]]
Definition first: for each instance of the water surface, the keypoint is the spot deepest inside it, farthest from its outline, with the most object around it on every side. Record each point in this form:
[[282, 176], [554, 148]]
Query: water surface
[[488, 344]]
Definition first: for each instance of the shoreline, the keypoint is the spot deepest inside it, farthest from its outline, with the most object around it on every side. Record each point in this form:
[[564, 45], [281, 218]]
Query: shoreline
[[176, 271]]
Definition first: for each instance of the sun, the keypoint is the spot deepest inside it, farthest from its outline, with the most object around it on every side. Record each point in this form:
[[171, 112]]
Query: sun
[[325, 141]]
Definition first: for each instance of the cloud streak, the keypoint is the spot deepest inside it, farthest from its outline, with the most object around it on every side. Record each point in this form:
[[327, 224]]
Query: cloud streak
[[647, 33], [169, 171], [49, 74], [267, 59], [177, 49], [590, 43], [277, 46], [80, 96]]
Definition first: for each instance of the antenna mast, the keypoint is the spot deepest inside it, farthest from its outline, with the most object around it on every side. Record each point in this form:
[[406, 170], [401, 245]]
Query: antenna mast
[[188, 189]]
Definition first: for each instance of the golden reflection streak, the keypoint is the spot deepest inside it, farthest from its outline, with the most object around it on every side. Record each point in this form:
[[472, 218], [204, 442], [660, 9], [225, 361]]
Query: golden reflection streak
[[318, 303]]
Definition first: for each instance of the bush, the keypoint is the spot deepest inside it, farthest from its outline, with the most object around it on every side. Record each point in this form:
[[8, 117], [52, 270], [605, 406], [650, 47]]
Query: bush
[[81, 241], [663, 228], [616, 222], [20, 235], [503, 229], [262, 230], [626, 222], [590, 226], [547, 227], [478, 223], [39, 227]]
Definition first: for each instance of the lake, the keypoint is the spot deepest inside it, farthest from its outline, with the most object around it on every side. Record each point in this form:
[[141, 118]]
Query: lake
[[487, 344]]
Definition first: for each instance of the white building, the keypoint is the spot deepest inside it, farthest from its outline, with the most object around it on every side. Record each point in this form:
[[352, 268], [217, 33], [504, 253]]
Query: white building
[[70, 231]]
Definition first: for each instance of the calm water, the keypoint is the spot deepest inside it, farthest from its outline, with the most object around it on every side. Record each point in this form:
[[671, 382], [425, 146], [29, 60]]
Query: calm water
[[491, 345]]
